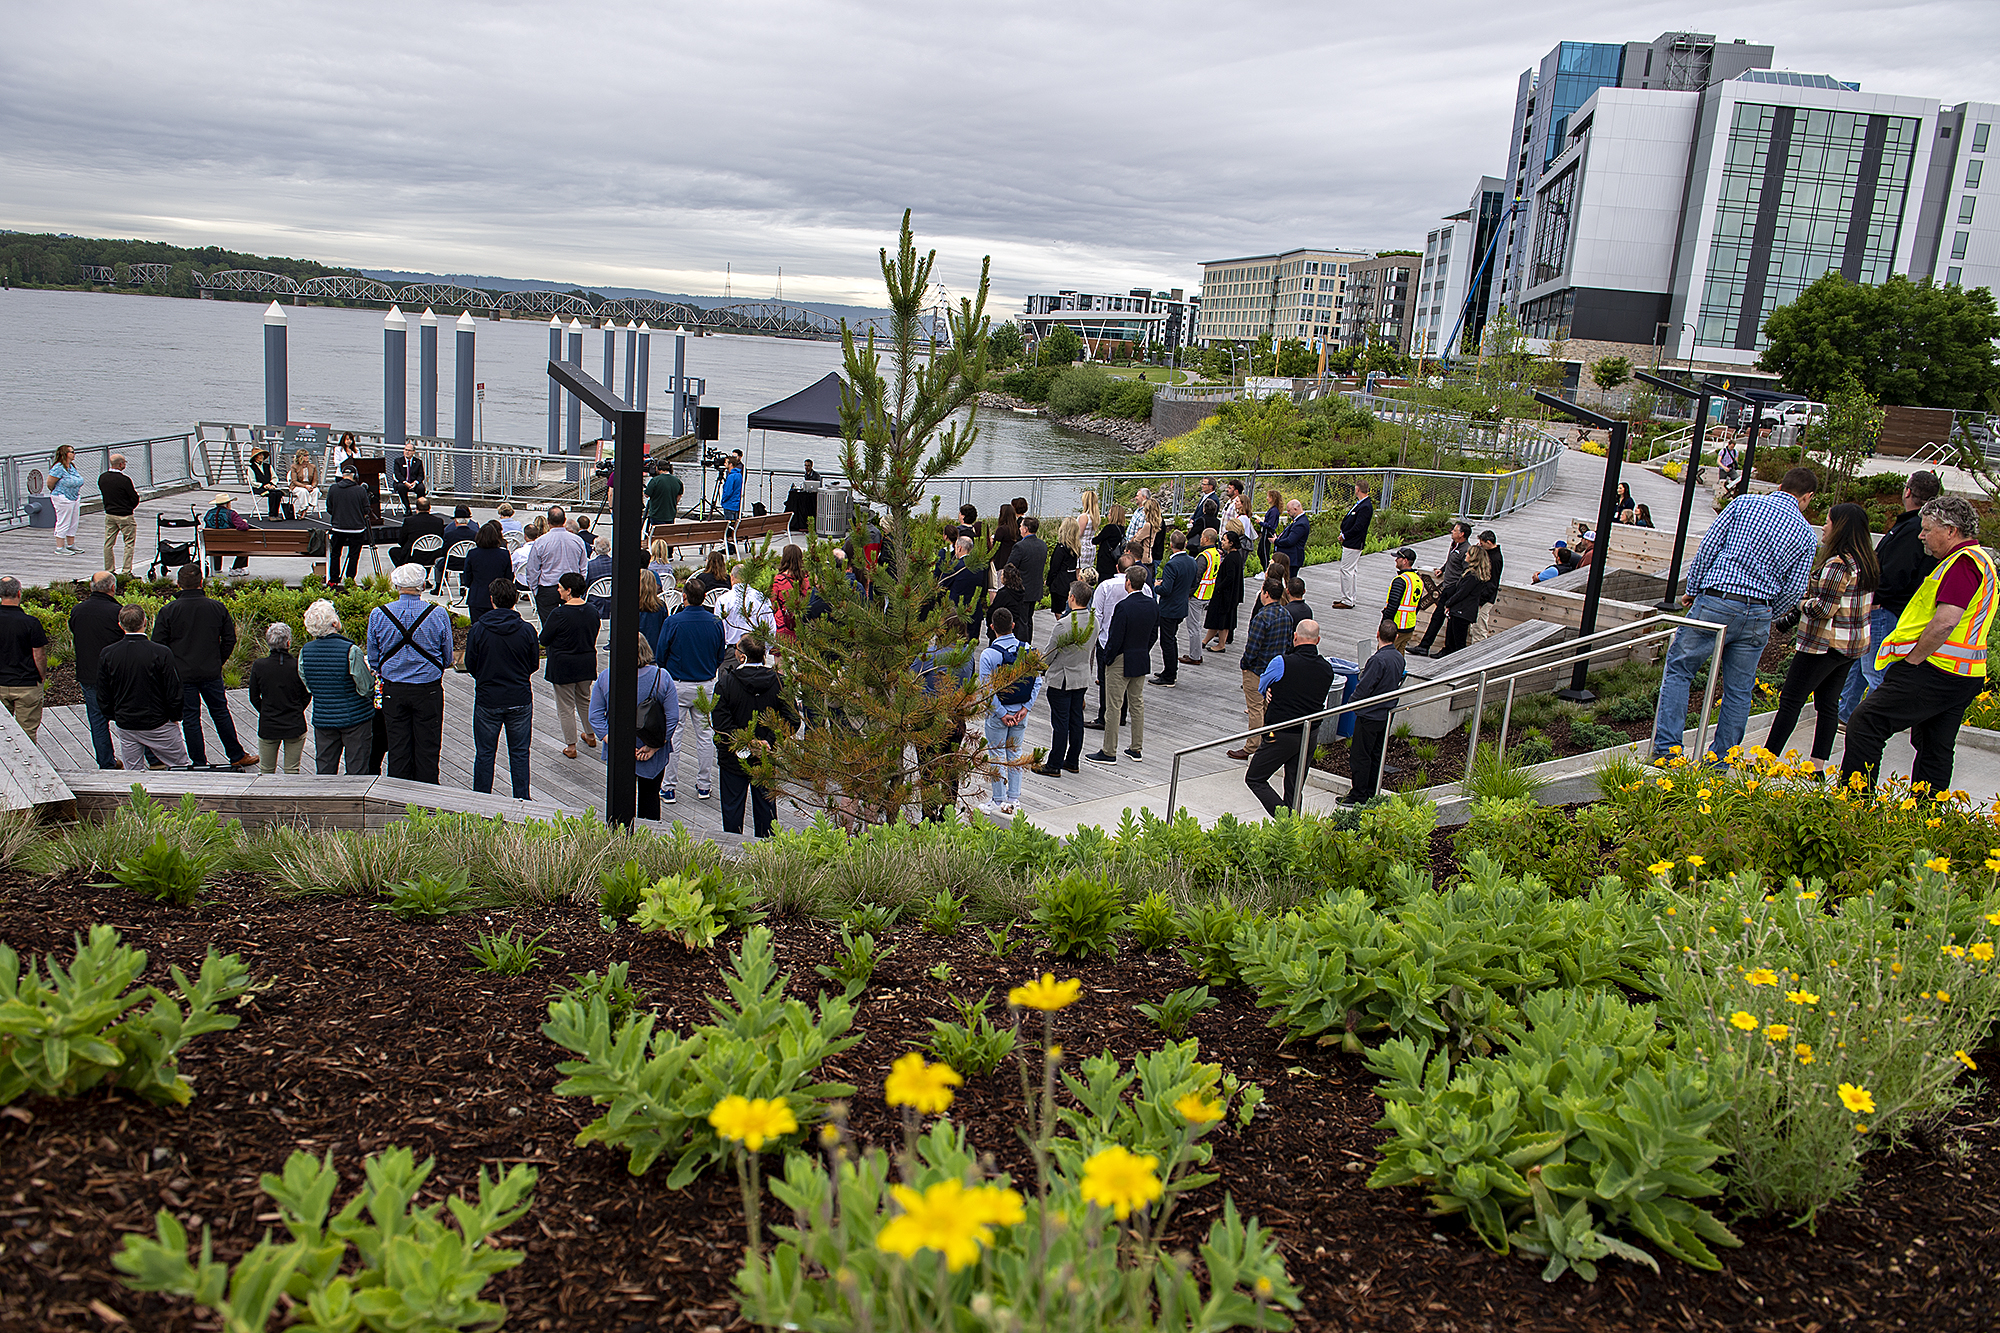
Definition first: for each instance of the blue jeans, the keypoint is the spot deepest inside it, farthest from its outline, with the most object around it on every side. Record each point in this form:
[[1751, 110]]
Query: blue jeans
[[1746, 629], [486, 723], [215, 694], [100, 730], [1003, 747], [1865, 677]]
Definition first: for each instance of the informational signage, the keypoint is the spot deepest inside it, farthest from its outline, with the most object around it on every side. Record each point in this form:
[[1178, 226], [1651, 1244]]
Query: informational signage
[[479, 391], [308, 434]]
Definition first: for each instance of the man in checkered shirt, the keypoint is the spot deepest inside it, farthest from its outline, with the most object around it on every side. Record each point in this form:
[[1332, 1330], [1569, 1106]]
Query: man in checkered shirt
[[1754, 559]]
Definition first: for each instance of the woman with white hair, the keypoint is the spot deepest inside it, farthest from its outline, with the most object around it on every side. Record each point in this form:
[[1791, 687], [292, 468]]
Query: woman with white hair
[[335, 673], [280, 696]]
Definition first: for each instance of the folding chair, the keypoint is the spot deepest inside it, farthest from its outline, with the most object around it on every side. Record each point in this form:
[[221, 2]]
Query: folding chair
[[457, 552], [426, 548]]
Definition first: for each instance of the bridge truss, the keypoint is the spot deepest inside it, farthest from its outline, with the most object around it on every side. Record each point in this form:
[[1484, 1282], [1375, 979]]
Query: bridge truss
[[766, 317]]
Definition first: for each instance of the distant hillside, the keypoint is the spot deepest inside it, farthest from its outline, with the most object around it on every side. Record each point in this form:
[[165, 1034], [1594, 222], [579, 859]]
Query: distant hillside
[[487, 282]]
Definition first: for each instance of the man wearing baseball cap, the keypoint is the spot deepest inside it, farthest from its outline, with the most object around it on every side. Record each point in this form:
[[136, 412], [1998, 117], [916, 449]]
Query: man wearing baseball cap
[[1406, 590]]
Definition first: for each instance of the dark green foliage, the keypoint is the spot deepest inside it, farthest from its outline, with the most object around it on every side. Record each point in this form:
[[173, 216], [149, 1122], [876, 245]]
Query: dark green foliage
[[1173, 1014], [1527, 837], [614, 987], [1590, 736], [1077, 390], [1208, 936], [972, 1046], [854, 963], [432, 895], [944, 914], [164, 872], [1031, 383], [618, 890], [509, 954], [1627, 709], [1531, 750], [1155, 923], [1131, 399], [1081, 914], [1907, 342], [1059, 348]]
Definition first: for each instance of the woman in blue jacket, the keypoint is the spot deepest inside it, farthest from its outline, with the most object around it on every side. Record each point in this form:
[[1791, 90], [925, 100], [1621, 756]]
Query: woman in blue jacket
[[648, 763]]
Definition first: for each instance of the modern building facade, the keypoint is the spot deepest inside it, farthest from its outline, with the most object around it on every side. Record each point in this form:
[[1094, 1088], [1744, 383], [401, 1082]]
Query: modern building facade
[[1550, 94], [1456, 280], [1379, 306], [1157, 319], [1297, 294], [1679, 220]]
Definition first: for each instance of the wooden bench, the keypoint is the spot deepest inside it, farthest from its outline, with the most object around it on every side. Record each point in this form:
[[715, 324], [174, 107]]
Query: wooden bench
[[257, 541], [714, 533]]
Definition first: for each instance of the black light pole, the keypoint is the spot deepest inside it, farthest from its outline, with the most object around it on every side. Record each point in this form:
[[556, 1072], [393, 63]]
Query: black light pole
[[1600, 550], [1671, 602], [628, 461]]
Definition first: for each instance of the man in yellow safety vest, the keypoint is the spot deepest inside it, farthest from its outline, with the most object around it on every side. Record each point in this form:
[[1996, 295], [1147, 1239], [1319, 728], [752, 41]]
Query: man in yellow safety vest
[[1933, 662], [1406, 590]]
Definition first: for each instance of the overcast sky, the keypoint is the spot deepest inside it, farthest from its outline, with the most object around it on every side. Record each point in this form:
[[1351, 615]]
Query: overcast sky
[[1096, 145]]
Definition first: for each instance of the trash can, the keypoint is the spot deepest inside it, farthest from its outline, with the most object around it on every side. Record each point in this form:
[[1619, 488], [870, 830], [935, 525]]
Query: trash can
[[832, 512], [1340, 728]]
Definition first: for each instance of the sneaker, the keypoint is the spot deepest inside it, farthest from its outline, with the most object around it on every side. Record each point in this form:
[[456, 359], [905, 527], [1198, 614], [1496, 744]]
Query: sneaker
[[1134, 754], [990, 810], [1099, 757], [701, 791], [666, 796]]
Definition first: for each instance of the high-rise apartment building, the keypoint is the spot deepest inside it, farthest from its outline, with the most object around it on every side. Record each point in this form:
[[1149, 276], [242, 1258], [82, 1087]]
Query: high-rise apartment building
[[1379, 306], [1452, 286], [1679, 220], [1297, 294], [1552, 92]]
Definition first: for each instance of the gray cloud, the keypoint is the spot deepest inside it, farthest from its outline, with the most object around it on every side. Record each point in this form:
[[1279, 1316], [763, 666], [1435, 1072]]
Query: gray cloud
[[648, 145]]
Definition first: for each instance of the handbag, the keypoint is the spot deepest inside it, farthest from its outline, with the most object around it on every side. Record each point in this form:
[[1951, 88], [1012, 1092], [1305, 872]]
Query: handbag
[[650, 724]]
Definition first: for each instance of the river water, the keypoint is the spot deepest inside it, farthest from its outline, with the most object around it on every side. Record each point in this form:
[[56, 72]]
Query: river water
[[88, 368]]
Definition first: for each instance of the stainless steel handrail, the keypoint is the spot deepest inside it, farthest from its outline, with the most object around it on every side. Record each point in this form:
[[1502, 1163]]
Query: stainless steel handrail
[[1619, 638], [155, 463]]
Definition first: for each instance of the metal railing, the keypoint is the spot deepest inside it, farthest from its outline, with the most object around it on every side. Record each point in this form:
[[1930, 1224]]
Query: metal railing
[[1619, 639], [485, 470], [156, 463]]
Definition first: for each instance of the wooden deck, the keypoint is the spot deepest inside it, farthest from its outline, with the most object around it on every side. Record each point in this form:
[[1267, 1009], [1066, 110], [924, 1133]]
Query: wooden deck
[[1207, 703]]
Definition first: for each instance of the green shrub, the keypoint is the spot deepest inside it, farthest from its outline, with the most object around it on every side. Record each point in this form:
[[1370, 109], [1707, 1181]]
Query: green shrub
[[660, 1086], [1078, 389], [508, 954], [1081, 914], [622, 999], [1526, 837], [64, 1030], [432, 895], [619, 891], [1531, 750], [1582, 1124], [412, 1270], [1787, 1001], [99, 848], [1173, 1014], [1150, 1121], [696, 910], [972, 1045], [163, 872], [1627, 709], [854, 963], [1498, 777], [1155, 923], [872, 917], [1208, 939], [1589, 736], [1031, 384], [1130, 399], [944, 914]]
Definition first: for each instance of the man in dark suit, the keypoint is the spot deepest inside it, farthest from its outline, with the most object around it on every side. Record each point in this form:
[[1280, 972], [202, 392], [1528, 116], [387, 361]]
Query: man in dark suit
[[1128, 656], [406, 477], [1291, 543], [1353, 540], [419, 523], [1207, 514], [1031, 556]]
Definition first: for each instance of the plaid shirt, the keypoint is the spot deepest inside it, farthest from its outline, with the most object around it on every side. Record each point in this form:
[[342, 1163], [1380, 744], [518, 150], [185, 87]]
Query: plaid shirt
[[1760, 548], [1270, 634], [1833, 618]]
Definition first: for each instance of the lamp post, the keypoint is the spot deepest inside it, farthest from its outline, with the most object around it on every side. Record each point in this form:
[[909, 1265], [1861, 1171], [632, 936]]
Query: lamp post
[[1671, 602], [1600, 550], [621, 783]]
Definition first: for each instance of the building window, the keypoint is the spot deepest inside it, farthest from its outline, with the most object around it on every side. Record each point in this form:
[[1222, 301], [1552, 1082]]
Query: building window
[[1952, 276], [1973, 170], [1965, 207], [1553, 216], [1766, 251], [1979, 133], [1959, 240]]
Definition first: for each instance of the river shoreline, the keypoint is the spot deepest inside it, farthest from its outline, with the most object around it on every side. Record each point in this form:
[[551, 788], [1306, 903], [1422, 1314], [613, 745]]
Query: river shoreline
[[1136, 437]]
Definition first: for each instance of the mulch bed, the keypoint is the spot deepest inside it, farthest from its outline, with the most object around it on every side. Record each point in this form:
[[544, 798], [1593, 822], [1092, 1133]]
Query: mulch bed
[[374, 1033]]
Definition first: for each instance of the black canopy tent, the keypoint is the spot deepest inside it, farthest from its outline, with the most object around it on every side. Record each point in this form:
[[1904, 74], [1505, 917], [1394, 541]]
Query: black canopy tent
[[813, 410]]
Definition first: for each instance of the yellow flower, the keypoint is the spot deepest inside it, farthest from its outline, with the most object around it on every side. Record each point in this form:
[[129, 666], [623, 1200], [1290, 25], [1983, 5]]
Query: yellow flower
[[1120, 1181], [1761, 976], [1964, 1059], [1944, 997], [949, 1219], [1666, 784], [1907, 803], [1702, 795], [1982, 952], [753, 1123], [1046, 994], [1860, 1128], [1696, 861], [1804, 1052], [925, 1088], [1857, 1099], [1263, 1286], [1993, 918], [1993, 864], [1808, 895], [1932, 823], [1897, 968], [1198, 1110], [1704, 807], [1938, 863], [1743, 1019], [1777, 1032], [1751, 785], [1660, 867]]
